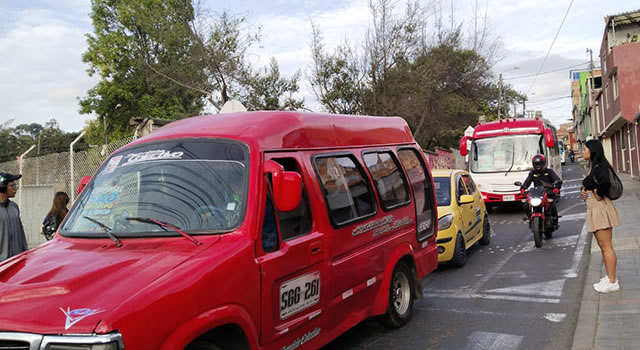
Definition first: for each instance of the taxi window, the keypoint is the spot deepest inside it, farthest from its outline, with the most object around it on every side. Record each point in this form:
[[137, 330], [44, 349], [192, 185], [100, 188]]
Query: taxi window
[[420, 180], [471, 187], [390, 183], [347, 192], [460, 189]]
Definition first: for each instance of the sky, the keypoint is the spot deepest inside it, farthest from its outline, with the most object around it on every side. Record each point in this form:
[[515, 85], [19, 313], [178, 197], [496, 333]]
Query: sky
[[42, 75]]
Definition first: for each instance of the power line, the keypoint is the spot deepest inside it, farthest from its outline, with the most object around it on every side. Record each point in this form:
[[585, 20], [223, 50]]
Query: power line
[[550, 47], [549, 99], [549, 72]]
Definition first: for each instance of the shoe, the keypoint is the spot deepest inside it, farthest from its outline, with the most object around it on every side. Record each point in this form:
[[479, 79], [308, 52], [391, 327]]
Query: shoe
[[600, 283], [605, 286]]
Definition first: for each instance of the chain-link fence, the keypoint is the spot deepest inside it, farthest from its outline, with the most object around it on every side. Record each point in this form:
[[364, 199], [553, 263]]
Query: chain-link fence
[[43, 176]]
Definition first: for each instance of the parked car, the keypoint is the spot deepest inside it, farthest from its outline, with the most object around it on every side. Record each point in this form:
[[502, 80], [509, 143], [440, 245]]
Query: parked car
[[462, 215], [258, 230]]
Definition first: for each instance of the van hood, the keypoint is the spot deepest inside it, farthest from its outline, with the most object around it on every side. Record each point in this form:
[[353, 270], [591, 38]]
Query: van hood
[[69, 285]]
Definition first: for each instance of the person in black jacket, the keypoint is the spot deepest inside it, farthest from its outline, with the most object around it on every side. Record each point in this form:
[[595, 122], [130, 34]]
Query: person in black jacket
[[543, 176], [12, 238], [602, 215]]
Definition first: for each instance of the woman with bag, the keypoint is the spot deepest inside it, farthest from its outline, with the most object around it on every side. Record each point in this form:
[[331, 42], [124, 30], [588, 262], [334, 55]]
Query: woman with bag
[[55, 216], [602, 215]]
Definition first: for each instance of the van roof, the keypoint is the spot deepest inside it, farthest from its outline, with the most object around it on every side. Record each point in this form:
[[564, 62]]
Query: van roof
[[289, 130], [509, 127]]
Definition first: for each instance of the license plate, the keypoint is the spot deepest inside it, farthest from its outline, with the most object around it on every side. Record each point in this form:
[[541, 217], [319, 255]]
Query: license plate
[[299, 294], [510, 198]]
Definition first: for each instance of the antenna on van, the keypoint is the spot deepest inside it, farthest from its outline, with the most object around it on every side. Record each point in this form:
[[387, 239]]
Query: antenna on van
[[232, 106]]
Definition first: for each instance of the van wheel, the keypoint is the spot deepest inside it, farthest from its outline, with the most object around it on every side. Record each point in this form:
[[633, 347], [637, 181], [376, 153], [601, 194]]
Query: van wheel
[[460, 252], [401, 295], [203, 345], [486, 231]]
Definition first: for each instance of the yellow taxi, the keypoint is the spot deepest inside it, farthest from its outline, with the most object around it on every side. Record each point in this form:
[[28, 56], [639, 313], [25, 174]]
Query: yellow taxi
[[462, 215]]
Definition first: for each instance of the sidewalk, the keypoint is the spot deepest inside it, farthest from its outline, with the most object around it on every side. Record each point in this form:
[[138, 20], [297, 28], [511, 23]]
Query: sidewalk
[[612, 321]]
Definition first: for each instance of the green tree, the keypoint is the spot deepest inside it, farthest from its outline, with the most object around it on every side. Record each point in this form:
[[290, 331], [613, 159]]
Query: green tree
[[142, 49], [270, 91]]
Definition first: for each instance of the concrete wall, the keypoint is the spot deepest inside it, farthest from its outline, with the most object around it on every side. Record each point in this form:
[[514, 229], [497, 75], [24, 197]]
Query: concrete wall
[[36, 203]]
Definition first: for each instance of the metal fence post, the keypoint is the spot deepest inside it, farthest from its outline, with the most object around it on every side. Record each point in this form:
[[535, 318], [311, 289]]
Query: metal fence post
[[20, 161], [71, 182]]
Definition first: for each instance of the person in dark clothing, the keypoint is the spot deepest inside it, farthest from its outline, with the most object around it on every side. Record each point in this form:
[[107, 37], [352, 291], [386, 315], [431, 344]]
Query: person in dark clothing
[[602, 215], [56, 215], [12, 238], [542, 176]]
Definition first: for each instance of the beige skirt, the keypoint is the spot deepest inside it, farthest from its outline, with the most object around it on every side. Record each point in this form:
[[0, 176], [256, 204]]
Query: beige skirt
[[601, 214]]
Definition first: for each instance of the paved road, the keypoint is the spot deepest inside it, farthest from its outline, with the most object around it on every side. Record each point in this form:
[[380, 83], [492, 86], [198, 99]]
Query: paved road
[[510, 295]]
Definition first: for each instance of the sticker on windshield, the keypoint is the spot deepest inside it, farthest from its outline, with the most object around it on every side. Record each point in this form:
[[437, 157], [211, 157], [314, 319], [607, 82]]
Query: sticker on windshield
[[299, 294], [112, 165], [102, 201], [159, 154]]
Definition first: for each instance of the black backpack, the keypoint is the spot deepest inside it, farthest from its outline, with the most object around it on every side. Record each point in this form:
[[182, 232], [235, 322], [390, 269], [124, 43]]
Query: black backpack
[[49, 226], [615, 191]]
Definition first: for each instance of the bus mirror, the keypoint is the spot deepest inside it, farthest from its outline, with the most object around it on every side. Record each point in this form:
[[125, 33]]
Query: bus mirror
[[463, 145], [548, 137], [287, 186], [83, 183]]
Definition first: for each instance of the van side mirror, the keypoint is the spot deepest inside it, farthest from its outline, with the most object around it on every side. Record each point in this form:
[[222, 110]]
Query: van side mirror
[[83, 183], [287, 186], [548, 137], [463, 145], [466, 199]]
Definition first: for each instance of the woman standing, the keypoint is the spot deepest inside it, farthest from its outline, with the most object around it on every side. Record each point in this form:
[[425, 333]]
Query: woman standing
[[56, 215], [602, 215]]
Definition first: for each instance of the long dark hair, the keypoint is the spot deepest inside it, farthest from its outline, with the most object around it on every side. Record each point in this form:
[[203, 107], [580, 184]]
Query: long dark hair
[[59, 206], [597, 153]]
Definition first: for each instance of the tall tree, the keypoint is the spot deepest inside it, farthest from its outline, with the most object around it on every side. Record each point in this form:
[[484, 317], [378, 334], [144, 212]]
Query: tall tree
[[267, 90], [142, 49]]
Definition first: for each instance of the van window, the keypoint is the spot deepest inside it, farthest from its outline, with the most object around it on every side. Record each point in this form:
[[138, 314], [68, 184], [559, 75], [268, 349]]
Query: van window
[[391, 185], [270, 242], [346, 190], [422, 191], [298, 221]]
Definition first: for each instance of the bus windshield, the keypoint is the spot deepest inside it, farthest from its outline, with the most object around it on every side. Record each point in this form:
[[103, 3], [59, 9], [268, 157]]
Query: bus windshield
[[195, 186], [504, 153]]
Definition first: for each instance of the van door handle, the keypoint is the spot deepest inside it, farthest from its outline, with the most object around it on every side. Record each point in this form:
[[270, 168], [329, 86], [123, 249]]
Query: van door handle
[[316, 248]]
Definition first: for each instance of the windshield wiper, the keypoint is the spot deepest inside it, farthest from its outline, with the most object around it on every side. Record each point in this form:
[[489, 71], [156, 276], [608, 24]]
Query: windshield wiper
[[513, 158], [106, 230], [163, 225]]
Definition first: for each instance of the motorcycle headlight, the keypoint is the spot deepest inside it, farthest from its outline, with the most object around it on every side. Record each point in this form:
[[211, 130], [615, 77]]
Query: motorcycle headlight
[[535, 202], [445, 222]]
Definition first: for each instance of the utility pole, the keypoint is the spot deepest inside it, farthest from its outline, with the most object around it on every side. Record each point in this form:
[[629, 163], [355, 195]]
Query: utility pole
[[524, 104], [591, 67], [499, 95]]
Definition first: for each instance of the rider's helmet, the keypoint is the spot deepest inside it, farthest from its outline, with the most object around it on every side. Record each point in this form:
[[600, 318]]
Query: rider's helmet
[[539, 162]]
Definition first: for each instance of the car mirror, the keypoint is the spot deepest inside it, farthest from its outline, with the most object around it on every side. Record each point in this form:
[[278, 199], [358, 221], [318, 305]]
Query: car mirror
[[466, 199], [287, 186], [463, 146], [548, 137], [83, 183]]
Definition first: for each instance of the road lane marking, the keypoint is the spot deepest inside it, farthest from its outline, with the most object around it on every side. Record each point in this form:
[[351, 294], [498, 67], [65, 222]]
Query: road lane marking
[[546, 289], [489, 341], [579, 216], [577, 256], [562, 212], [572, 180], [493, 297], [555, 317], [553, 243]]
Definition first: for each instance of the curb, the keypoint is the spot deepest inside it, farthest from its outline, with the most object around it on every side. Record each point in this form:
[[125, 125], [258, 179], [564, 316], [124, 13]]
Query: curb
[[586, 325]]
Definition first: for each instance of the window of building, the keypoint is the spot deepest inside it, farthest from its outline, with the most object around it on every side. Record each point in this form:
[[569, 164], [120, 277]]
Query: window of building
[[606, 95], [597, 83], [632, 136], [624, 137], [422, 191], [346, 189], [614, 83], [389, 180]]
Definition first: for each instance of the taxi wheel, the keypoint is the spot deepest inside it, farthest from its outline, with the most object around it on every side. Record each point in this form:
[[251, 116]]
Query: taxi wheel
[[486, 231], [401, 295], [203, 345], [460, 252]]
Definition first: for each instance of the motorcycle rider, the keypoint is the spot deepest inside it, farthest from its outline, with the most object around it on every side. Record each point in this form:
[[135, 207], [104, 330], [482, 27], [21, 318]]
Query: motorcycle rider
[[542, 176], [572, 155]]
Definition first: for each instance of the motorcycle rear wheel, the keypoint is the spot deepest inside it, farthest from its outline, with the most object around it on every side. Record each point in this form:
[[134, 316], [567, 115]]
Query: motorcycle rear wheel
[[536, 227]]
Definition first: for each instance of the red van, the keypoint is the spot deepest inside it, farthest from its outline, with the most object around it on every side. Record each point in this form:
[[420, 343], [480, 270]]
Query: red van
[[258, 230]]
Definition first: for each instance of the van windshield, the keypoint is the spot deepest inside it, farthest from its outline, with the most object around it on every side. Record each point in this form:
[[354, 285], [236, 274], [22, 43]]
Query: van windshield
[[504, 153], [196, 186]]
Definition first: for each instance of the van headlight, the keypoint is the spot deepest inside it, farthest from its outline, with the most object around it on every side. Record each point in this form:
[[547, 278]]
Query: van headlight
[[111, 341], [535, 202], [445, 222]]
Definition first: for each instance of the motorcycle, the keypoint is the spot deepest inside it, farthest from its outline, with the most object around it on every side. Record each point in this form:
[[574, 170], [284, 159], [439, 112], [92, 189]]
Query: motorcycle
[[572, 157], [541, 222]]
